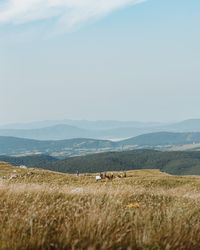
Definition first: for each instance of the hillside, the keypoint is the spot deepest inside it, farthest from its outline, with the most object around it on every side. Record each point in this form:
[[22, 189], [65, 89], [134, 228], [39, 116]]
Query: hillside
[[30, 161], [63, 148], [190, 125], [163, 138], [179, 163], [84, 146], [147, 209]]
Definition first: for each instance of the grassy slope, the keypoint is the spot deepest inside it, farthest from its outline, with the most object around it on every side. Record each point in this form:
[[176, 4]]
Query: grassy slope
[[147, 210]]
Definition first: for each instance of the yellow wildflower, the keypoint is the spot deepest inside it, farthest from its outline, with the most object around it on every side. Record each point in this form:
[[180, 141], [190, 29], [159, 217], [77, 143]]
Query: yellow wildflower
[[133, 205]]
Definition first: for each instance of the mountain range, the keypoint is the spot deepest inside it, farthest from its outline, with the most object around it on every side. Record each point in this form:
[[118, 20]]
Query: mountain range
[[113, 130], [84, 124], [62, 148], [83, 146], [163, 139]]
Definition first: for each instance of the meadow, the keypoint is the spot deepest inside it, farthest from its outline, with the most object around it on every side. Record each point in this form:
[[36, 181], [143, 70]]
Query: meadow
[[147, 209]]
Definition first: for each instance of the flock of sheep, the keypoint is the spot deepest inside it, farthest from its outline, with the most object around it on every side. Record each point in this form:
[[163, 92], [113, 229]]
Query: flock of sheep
[[110, 176]]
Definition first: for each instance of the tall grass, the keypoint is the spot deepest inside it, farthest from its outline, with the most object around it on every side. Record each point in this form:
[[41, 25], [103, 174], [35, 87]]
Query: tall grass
[[138, 212]]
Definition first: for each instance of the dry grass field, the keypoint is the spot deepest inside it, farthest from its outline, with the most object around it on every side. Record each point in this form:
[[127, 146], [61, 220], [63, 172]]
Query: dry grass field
[[146, 210]]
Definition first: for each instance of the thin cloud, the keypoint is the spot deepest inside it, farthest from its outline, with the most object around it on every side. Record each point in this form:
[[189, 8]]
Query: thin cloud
[[69, 13]]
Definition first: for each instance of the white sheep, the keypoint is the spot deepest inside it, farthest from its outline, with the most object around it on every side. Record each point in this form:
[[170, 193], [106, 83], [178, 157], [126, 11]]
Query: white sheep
[[98, 178], [23, 167]]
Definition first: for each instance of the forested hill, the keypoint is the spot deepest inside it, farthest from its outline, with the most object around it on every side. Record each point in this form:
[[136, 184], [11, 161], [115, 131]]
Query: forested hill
[[180, 163], [41, 161]]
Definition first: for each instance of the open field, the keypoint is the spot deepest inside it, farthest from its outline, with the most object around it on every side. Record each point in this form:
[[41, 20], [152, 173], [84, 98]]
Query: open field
[[146, 210]]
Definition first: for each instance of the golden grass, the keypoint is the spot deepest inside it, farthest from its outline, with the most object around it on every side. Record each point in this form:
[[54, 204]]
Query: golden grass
[[146, 210]]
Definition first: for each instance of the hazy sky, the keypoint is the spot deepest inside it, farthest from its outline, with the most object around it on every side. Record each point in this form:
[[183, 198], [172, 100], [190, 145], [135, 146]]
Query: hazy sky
[[99, 59]]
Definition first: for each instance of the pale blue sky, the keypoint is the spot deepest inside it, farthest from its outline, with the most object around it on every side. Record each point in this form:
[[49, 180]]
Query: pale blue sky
[[139, 62]]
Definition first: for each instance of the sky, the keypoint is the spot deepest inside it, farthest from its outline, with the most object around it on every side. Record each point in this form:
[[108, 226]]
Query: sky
[[99, 60]]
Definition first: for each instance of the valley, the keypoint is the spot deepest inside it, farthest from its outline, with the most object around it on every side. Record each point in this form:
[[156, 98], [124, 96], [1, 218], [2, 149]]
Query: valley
[[162, 141]]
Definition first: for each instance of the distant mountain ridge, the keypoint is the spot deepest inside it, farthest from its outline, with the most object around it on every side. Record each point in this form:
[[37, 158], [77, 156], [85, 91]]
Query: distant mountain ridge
[[15, 146], [83, 124], [163, 138], [83, 146], [57, 132], [190, 125], [70, 129], [63, 132]]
